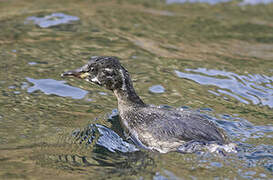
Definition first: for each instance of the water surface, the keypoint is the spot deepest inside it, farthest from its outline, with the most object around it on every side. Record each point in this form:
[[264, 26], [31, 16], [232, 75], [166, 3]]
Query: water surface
[[214, 58]]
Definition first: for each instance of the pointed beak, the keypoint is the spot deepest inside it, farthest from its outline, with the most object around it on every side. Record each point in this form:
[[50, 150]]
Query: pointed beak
[[79, 73]]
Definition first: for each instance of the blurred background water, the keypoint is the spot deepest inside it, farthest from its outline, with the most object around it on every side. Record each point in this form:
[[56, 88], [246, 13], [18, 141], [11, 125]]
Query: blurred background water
[[212, 56]]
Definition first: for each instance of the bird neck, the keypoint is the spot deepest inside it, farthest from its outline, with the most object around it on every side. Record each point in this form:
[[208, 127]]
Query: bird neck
[[127, 96], [125, 93]]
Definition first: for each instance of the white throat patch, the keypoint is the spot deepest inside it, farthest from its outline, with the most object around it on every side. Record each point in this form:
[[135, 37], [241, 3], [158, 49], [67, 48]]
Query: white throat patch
[[123, 80], [95, 79]]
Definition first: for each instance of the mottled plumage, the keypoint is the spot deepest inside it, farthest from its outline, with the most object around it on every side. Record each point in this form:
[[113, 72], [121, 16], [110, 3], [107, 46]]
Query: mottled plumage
[[160, 129]]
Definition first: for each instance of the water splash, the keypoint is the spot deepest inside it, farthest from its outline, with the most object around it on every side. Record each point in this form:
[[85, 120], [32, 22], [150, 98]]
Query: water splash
[[53, 19], [103, 137], [249, 155], [252, 155], [255, 88], [51, 86]]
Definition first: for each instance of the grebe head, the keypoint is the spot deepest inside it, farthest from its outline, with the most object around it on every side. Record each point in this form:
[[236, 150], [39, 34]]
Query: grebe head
[[104, 71]]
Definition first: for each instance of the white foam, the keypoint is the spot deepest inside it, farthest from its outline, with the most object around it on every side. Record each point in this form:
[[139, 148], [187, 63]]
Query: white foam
[[230, 148]]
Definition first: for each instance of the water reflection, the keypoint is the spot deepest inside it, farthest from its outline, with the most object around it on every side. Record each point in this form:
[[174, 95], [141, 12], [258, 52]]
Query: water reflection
[[253, 155], [32, 63], [96, 146], [51, 86], [53, 19], [104, 137], [167, 175], [254, 2], [157, 89], [241, 129], [196, 1], [109, 149], [255, 88], [245, 2], [30, 120], [108, 164]]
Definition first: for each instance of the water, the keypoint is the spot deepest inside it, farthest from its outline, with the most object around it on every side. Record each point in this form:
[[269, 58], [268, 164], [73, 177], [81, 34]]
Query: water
[[214, 59], [253, 88], [51, 20], [107, 138], [157, 89], [51, 86], [244, 2], [196, 1]]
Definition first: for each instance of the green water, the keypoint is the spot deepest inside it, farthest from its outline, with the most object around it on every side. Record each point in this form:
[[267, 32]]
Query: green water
[[153, 40]]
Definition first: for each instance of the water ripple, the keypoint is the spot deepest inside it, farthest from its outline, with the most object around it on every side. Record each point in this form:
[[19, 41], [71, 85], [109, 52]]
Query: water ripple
[[51, 86], [157, 89], [245, 2], [250, 155], [107, 138], [254, 88], [53, 19]]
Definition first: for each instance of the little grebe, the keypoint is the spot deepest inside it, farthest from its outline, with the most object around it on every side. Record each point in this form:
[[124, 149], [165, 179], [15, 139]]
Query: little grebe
[[153, 128]]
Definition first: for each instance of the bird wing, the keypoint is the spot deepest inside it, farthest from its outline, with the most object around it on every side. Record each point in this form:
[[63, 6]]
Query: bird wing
[[185, 126]]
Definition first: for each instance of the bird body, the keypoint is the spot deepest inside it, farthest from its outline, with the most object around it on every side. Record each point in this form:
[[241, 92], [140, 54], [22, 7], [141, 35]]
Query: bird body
[[149, 127]]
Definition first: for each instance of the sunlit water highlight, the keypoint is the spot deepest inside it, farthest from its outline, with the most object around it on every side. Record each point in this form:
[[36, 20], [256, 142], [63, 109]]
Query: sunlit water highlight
[[157, 89], [255, 88], [107, 138], [245, 89], [51, 86], [53, 19], [151, 38], [240, 130]]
